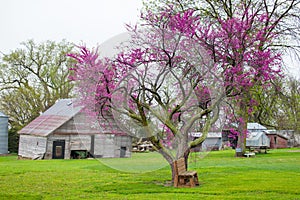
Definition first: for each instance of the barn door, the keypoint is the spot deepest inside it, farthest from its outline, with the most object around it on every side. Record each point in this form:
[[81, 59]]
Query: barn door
[[123, 152], [58, 149]]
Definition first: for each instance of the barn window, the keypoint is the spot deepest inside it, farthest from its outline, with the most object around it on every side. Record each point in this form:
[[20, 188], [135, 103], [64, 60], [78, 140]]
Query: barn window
[[275, 140]]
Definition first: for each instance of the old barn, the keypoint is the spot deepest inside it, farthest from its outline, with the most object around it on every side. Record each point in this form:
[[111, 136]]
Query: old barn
[[63, 132], [277, 140]]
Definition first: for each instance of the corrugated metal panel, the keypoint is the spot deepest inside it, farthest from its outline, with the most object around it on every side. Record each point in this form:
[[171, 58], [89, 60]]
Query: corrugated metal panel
[[257, 139], [3, 133], [64, 117], [44, 125], [64, 107], [255, 126], [209, 134], [279, 133], [62, 111]]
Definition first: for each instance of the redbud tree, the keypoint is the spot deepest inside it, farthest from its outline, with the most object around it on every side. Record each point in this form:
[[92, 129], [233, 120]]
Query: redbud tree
[[240, 46], [281, 31], [171, 78]]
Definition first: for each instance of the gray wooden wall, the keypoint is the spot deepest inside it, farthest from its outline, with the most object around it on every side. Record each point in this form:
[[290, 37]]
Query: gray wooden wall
[[33, 147], [100, 145]]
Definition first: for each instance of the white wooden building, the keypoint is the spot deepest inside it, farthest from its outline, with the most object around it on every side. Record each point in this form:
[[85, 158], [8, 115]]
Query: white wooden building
[[257, 140], [213, 141], [64, 132]]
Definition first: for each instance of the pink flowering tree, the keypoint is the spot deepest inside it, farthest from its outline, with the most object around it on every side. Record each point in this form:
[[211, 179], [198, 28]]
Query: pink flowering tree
[[240, 46], [278, 25], [172, 79]]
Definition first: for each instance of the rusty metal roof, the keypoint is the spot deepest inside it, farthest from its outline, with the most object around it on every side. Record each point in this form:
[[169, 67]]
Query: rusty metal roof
[[62, 111]]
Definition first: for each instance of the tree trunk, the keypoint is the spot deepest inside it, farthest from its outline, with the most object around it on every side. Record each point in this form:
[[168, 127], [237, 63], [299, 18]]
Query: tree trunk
[[170, 160], [186, 157], [242, 129], [172, 165]]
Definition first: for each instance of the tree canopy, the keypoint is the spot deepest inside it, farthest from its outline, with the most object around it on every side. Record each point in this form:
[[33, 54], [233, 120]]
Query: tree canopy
[[278, 24], [32, 78], [177, 70]]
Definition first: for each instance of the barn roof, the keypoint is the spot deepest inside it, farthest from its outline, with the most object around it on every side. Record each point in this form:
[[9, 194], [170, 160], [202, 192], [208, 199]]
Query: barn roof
[[254, 135], [255, 126], [250, 126], [277, 133], [209, 134], [62, 111]]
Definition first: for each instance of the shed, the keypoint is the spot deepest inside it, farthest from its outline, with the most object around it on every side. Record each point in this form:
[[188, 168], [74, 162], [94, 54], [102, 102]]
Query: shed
[[63, 132], [213, 141], [277, 140], [228, 137], [291, 135], [3, 133], [257, 140]]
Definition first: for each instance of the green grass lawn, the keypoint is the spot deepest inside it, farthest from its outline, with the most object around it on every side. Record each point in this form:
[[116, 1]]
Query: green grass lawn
[[275, 175]]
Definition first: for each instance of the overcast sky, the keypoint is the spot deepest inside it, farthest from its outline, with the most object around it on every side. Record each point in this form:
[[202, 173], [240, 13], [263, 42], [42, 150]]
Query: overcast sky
[[90, 22]]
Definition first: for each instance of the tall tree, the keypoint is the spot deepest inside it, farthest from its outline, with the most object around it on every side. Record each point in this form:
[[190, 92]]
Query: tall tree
[[289, 109], [32, 78], [281, 20], [278, 106], [175, 75], [267, 102]]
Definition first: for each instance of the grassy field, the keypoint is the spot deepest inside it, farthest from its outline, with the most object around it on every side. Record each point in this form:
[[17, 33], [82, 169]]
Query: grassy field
[[275, 175]]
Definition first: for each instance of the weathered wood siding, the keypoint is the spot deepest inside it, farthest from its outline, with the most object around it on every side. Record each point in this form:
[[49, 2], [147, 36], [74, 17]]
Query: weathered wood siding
[[212, 143], [109, 146], [277, 141], [104, 146], [78, 124], [33, 147], [108, 125], [123, 141], [72, 142]]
